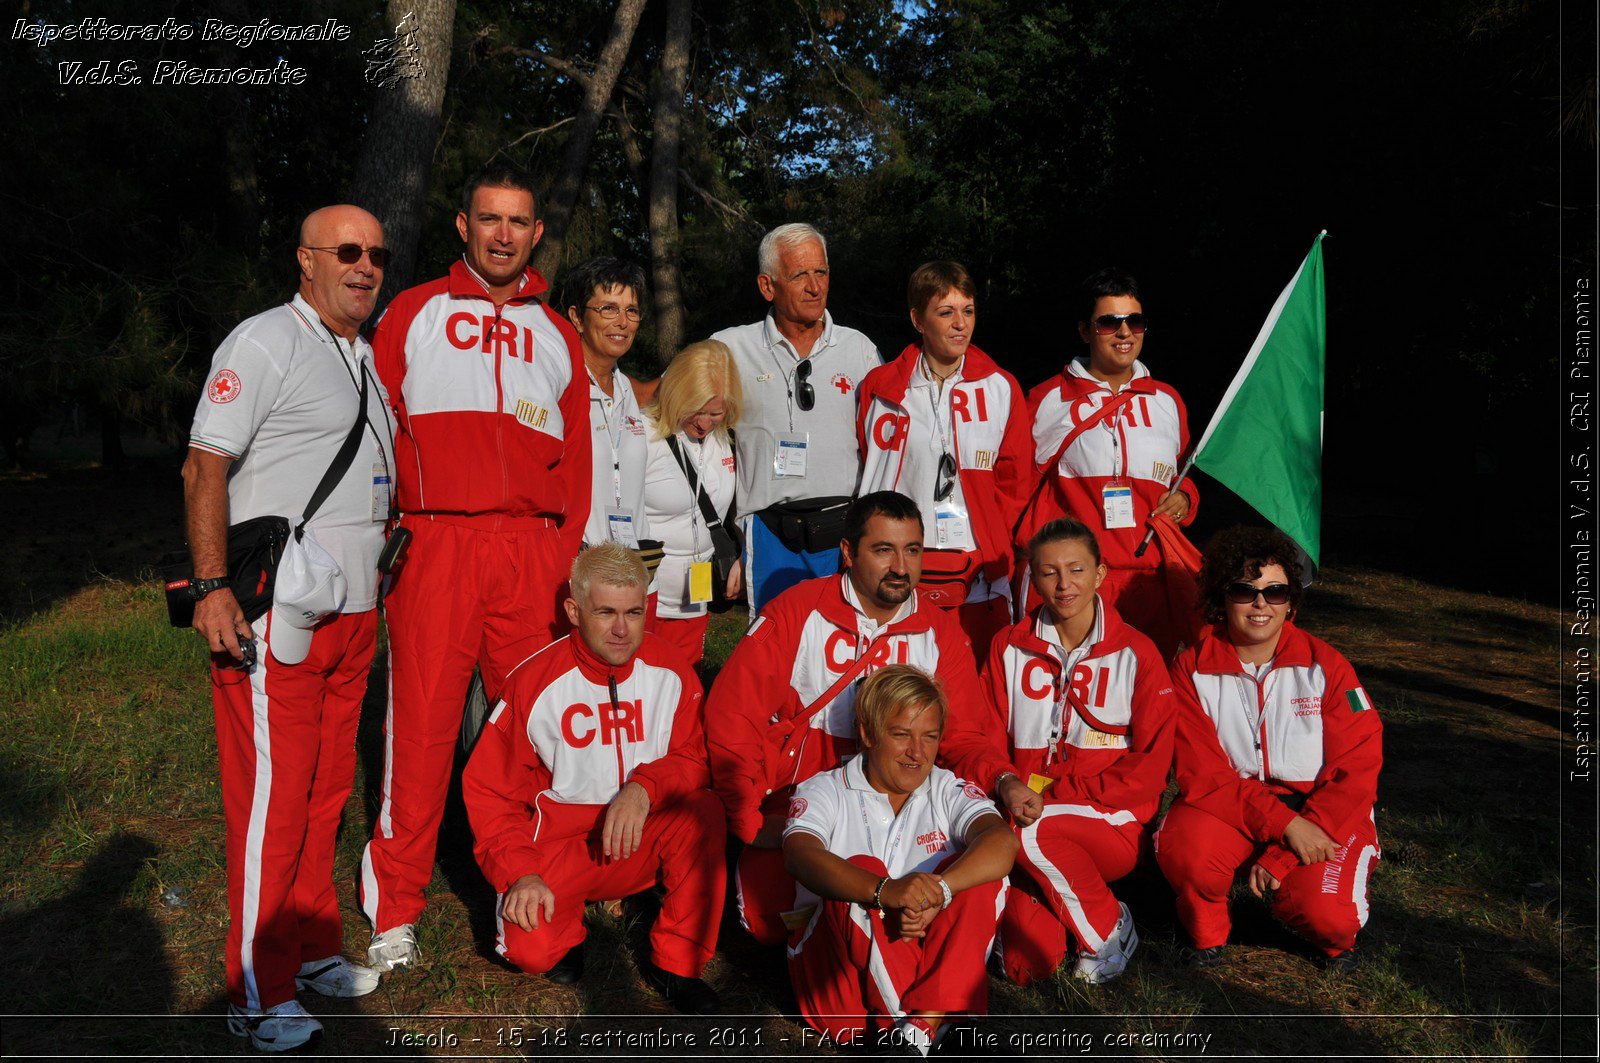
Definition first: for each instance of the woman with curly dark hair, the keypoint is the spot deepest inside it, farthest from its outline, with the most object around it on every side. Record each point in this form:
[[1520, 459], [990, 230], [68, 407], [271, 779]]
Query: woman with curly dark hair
[[1278, 753]]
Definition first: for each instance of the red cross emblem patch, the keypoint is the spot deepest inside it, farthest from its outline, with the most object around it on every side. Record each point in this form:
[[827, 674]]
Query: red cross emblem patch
[[843, 383], [224, 387]]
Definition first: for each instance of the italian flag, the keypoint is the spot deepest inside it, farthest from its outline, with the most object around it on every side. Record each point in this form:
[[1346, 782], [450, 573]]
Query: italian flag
[[1264, 443], [1357, 696]]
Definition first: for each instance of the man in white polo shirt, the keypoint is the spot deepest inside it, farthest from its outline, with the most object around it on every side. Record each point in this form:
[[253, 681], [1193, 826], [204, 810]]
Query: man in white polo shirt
[[285, 391], [798, 459]]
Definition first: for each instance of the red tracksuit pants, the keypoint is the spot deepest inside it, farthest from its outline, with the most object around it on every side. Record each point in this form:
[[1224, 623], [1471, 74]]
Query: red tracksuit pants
[[765, 891], [847, 968], [1069, 854], [1325, 902], [473, 591], [685, 634], [286, 744], [682, 849]]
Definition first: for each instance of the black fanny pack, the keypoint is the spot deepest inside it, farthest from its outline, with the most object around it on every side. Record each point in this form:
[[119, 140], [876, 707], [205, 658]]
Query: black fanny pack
[[811, 524]]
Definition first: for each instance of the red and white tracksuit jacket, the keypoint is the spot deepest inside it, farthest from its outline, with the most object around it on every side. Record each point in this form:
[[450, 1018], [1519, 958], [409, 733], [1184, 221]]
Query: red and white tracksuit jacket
[[762, 740], [1140, 445], [989, 440], [493, 456], [1096, 721], [569, 732], [1303, 734]]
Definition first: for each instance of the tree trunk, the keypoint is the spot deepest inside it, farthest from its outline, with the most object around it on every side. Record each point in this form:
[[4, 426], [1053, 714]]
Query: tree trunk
[[408, 76], [597, 91], [666, 139]]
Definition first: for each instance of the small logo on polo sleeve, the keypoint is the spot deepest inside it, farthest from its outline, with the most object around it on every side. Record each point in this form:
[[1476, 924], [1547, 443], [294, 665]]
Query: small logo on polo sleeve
[[797, 808], [224, 387], [1357, 696], [974, 791]]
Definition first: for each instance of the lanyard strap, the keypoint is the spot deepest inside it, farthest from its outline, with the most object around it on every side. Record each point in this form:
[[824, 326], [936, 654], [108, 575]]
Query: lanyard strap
[[614, 435]]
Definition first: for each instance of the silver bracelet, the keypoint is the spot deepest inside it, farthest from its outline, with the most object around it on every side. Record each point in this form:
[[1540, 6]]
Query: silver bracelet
[[948, 896]]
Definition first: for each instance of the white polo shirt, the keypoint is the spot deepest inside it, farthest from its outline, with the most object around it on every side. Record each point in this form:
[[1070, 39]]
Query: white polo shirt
[[840, 360], [280, 399], [853, 819], [673, 512], [619, 435]]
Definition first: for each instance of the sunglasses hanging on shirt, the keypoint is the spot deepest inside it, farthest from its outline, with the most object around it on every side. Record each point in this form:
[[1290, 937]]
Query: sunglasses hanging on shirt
[[946, 485], [805, 395]]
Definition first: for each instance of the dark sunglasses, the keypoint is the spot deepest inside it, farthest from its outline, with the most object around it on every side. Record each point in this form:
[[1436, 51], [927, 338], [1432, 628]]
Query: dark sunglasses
[[1110, 324], [805, 396], [1244, 594], [946, 485], [350, 254]]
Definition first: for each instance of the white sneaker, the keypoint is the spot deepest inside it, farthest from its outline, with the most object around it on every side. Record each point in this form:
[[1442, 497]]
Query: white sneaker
[[395, 947], [336, 977], [278, 1029], [1112, 959]]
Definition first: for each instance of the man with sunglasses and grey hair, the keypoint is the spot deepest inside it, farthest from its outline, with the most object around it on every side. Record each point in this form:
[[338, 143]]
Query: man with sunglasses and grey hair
[[798, 460], [291, 392]]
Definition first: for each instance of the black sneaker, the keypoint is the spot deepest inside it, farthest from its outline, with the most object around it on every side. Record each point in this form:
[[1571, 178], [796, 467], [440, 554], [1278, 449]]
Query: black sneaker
[[569, 968], [1344, 963], [689, 995], [1200, 959]]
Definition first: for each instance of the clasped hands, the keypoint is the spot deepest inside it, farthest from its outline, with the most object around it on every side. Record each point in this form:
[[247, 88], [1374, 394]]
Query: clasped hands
[[1309, 843], [913, 901]]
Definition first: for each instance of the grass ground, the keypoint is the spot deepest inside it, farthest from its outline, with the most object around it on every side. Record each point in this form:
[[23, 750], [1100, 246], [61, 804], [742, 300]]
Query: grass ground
[[112, 910]]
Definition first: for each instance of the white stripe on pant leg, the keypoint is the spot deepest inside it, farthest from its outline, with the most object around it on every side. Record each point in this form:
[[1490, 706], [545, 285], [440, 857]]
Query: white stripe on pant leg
[[800, 946], [255, 833], [875, 966], [1069, 900], [385, 804], [1358, 887], [500, 924], [999, 910], [738, 895], [747, 526]]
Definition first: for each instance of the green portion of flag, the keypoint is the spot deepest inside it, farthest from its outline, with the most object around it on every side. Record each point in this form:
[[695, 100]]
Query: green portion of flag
[[1265, 441], [1358, 699]]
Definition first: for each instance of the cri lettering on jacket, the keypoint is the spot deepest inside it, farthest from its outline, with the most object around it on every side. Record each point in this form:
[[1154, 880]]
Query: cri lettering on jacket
[[889, 430], [613, 724], [467, 331]]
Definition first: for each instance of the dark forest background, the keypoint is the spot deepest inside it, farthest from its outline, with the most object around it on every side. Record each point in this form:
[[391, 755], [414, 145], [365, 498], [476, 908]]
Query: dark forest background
[[1201, 145]]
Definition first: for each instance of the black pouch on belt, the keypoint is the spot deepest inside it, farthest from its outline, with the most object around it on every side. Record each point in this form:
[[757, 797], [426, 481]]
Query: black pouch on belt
[[810, 524]]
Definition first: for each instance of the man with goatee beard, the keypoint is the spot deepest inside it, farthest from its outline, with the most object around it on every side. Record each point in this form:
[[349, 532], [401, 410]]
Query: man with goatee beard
[[783, 707]]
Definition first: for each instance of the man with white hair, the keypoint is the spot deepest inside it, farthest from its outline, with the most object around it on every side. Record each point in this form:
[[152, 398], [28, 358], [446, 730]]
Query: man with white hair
[[798, 460], [589, 783]]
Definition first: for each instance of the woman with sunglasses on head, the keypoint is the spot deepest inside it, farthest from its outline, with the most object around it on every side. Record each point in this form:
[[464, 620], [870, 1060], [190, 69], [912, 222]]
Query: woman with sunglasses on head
[[1278, 753], [1107, 440], [1074, 741], [691, 471], [945, 426], [603, 299]]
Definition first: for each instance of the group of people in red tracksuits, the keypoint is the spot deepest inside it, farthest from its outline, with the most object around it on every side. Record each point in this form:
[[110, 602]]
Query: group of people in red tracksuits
[[938, 760]]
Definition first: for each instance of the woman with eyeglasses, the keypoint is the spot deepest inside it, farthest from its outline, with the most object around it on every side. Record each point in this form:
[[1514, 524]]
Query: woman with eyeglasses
[[946, 427], [1278, 753], [602, 298], [1107, 441], [689, 492]]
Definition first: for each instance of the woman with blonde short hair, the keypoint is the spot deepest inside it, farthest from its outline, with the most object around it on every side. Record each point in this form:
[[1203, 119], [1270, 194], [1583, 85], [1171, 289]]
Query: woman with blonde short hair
[[688, 492], [899, 866]]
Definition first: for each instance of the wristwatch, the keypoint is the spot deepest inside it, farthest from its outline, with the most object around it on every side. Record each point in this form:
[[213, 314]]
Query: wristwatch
[[199, 588]]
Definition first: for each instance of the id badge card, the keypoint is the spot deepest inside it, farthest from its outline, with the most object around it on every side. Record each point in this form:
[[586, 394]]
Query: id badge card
[[699, 582], [382, 490], [1118, 499], [620, 529], [951, 529], [789, 460]]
